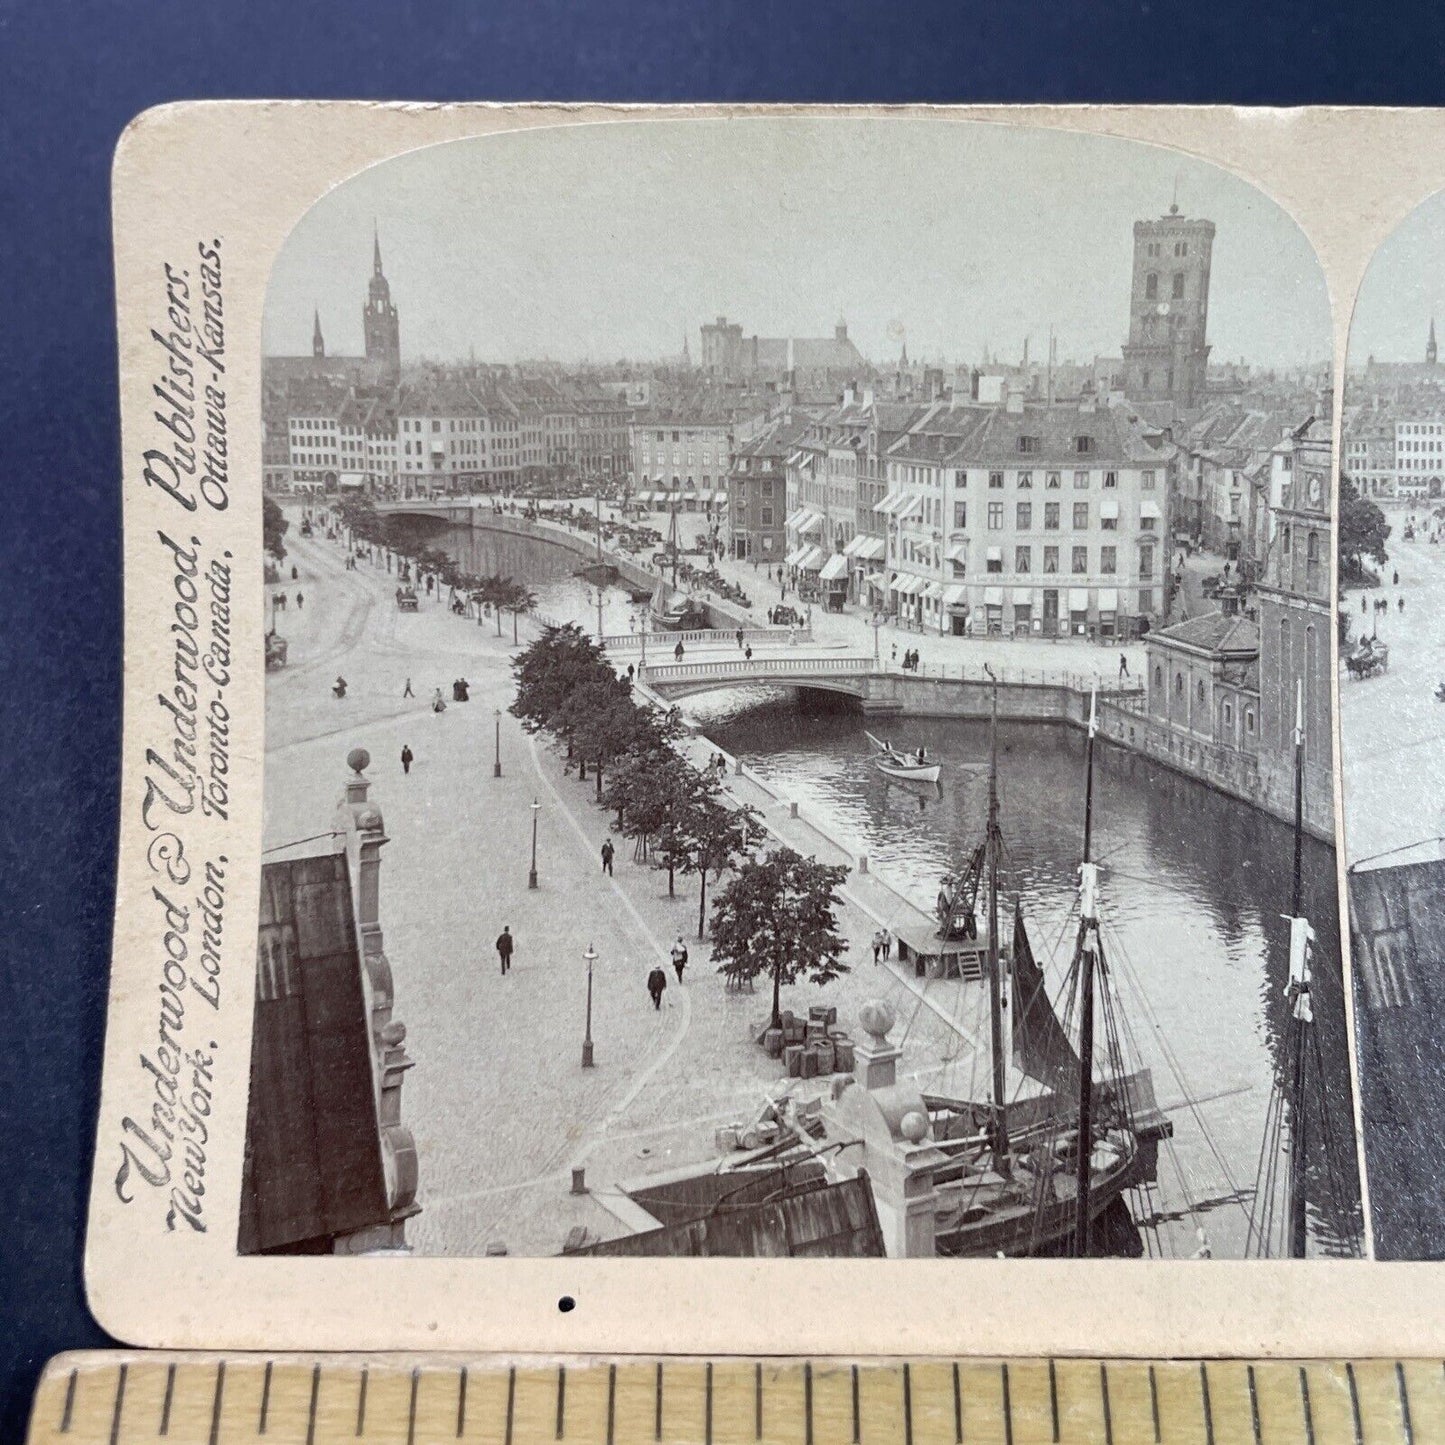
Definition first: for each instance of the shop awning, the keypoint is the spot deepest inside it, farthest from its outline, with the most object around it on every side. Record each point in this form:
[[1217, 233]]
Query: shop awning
[[851, 550], [810, 522], [1109, 507], [835, 566], [870, 548], [1023, 596], [907, 586], [704, 496], [934, 591], [1078, 599], [958, 552], [875, 580], [794, 518], [995, 554], [993, 596], [1108, 599], [954, 596], [1149, 508], [890, 503], [797, 555], [910, 507], [813, 559]]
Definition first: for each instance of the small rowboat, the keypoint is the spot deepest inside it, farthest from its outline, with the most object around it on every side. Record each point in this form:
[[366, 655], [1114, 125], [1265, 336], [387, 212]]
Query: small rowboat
[[893, 764]]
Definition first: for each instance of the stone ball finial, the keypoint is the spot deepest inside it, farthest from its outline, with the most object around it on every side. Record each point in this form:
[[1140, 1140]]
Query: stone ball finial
[[914, 1126], [358, 760], [877, 1017]]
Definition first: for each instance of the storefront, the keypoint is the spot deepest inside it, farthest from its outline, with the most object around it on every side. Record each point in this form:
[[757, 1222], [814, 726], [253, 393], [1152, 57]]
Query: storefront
[[1078, 611], [991, 622], [1108, 612], [809, 565], [955, 608], [1025, 612], [834, 579]]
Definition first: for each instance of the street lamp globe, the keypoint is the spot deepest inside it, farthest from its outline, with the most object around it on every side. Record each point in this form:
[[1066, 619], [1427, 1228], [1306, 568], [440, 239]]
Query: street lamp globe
[[590, 957]]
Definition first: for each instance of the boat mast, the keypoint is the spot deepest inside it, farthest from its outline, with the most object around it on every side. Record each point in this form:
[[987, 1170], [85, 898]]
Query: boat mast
[[672, 532], [995, 981], [1085, 957], [1299, 993]]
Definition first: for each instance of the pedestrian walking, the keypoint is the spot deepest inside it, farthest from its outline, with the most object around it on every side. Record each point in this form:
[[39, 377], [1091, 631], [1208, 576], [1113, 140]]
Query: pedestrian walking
[[1123, 666], [1364, 605], [406, 691], [877, 946], [679, 957], [294, 574], [406, 758], [656, 982], [748, 652], [300, 601], [887, 945], [679, 650], [893, 655], [505, 945], [608, 852], [1402, 602], [1394, 579], [740, 637], [438, 702]]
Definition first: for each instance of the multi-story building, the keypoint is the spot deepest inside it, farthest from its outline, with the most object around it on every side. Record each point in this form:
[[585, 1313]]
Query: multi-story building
[[380, 323], [314, 436], [806, 365], [685, 445], [1368, 450], [604, 446], [757, 492], [1044, 520], [1166, 357]]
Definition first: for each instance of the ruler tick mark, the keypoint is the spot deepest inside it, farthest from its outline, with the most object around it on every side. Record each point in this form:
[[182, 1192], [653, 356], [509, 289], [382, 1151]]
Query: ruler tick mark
[[808, 1403], [757, 1402], [657, 1406], [511, 1400], [1254, 1406], [957, 1404], [907, 1405], [1309, 1414], [410, 1409], [1404, 1403], [561, 1400], [462, 1403], [216, 1402], [1053, 1399], [1008, 1412], [1355, 1405], [311, 1407], [707, 1407], [265, 1399], [1208, 1403], [361, 1402], [1153, 1404], [857, 1423], [166, 1403], [69, 1404], [119, 1405], [1108, 1409], [611, 1403]]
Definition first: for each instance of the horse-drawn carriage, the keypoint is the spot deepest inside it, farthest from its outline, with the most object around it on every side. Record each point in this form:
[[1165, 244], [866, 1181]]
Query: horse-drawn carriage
[[276, 650], [1367, 657], [406, 599]]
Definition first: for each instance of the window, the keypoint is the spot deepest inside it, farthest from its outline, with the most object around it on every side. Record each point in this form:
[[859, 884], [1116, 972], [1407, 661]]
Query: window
[[1151, 285], [1199, 690], [1178, 684], [1024, 516], [1111, 480], [1051, 481], [1028, 444], [1179, 285], [1081, 516], [1026, 481], [767, 517], [436, 426], [1228, 714], [1051, 516], [1080, 561], [1081, 481], [960, 516], [1146, 564], [1158, 675], [995, 480], [995, 516], [1312, 548], [1146, 524], [1146, 600], [1109, 524], [1284, 539], [1146, 481], [1109, 560], [1051, 559], [1249, 721], [1023, 559], [994, 564], [1083, 445]]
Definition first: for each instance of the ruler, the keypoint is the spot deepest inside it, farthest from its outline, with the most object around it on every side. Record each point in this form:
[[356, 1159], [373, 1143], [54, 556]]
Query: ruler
[[113, 1398]]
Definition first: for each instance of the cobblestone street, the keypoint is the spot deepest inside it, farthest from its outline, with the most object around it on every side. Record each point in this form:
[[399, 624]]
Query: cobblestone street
[[500, 1106]]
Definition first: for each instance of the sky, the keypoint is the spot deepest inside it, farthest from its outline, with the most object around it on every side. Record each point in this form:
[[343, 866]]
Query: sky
[[594, 242], [1404, 287]]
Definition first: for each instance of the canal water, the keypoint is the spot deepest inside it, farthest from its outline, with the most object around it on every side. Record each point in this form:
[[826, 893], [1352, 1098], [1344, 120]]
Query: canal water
[[1194, 887]]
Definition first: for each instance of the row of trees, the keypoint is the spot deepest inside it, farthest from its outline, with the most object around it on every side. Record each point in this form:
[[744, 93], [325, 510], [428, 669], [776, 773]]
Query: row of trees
[[1363, 532], [776, 914]]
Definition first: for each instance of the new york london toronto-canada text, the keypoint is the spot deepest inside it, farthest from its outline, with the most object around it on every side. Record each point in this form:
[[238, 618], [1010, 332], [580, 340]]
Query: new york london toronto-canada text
[[187, 760]]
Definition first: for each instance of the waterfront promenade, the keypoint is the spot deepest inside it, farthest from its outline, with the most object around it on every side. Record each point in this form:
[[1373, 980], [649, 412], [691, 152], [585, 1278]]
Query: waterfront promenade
[[501, 1109]]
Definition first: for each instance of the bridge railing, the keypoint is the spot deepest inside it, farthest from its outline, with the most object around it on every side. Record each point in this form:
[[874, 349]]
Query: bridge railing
[[705, 637], [791, 665]]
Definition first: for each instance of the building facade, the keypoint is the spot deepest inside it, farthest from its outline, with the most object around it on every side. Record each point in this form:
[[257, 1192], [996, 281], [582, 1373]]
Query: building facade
[[1166, 357]]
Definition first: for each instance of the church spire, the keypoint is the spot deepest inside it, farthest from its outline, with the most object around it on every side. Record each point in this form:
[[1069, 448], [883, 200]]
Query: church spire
[[375, 249], [318, 342], [1430, 345]]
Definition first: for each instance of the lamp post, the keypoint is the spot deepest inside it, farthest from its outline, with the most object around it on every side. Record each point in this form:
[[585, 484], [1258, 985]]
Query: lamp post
[[497, 760], [877, 623], [532, 876], [591, 957]]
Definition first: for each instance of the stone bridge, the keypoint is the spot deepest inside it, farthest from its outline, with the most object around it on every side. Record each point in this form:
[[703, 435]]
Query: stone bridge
[[827, 672]]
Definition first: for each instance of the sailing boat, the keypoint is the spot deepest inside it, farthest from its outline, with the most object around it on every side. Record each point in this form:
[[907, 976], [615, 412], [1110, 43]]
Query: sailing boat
[[672, 609], [1035, 1173]]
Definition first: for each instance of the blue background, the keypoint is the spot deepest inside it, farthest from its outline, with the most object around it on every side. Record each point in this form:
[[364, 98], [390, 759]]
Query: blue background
[[72, 75]]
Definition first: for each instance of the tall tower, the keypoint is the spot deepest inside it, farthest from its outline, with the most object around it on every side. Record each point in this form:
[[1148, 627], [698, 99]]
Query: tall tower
[[379, 320], [318, 342], [1430, 345], [1166, 356]]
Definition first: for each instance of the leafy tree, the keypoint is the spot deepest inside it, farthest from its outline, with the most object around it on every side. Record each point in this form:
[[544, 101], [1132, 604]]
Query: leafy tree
[[598, 720], [643, 785], [518, 600], [719, 834], [273, 528], [776, 915], [548, 669], [1363, 531]]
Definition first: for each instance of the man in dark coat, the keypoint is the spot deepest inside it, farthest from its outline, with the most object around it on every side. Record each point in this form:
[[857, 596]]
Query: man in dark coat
[[656, 982], [504, 948], [607, 854], [406, 758]]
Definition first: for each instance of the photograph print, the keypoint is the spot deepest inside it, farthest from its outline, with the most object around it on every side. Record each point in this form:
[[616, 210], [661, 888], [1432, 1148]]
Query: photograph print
[[798, 705]]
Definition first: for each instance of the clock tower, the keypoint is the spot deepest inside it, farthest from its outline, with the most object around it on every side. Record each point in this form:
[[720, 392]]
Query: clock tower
[[1166, 355]]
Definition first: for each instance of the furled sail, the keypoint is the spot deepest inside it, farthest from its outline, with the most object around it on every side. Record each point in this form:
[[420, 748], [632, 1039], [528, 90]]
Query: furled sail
[[1041, 1047]]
